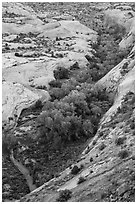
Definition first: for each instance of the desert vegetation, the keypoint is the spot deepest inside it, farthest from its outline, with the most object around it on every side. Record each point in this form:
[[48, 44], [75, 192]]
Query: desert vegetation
[[59, 128], [106, 51], [64, 196], [72, 117]]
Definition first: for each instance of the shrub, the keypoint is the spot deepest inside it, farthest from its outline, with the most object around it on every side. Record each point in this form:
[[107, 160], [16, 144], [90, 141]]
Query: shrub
[[75, 170], [61, 73], [81, 180], [120, 140], [124, 69], [94, 142], [91, 159], [18, 54], [57, 38], [102, 146], [55, 83], [64, 195], [42, 87], [81, 166], [101, 134], [91, 171], [56, 93], [74, 66], [84, 75], [132, 125], [123, 154], [91, 59], [103, 195], [38, 104]]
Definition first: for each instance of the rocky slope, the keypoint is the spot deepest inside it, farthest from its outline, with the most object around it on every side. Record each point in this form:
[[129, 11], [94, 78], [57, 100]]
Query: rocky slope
[[32, 49], [108, 161]]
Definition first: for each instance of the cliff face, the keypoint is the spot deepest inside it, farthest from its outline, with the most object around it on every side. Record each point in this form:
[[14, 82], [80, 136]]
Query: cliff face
[[108, 162]]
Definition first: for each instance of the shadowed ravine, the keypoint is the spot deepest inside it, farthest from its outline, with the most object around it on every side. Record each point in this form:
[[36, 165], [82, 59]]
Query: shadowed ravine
[[24, 171]]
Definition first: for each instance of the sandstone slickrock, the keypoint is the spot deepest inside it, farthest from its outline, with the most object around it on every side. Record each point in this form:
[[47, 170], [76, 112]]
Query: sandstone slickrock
[[17, 97], [110, 175], [35, 68]]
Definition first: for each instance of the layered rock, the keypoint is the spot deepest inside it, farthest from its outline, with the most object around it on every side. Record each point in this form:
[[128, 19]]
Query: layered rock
[[32, 48], [15, 98], [108, 166]]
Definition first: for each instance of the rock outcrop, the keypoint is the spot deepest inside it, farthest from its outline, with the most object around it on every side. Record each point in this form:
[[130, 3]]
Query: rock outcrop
[[31, 48], [107, 164], [17, 97]]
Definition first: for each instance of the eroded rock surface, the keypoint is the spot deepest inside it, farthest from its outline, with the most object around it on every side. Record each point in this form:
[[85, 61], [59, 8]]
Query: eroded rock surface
[[32, 50], [108, 161]]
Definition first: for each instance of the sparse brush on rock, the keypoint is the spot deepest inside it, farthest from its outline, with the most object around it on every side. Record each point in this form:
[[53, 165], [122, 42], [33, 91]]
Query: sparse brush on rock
[[91, 159], [94, 142], [81, 180], [64, 196], [17, 54], [42, 87], [81, 166], [75, 170], [38, 104], [61, 73], [74, 66], [101, 134], [120, 140], [132, 125], [123, 154], [55, 83], [102, 146], [124, 69]]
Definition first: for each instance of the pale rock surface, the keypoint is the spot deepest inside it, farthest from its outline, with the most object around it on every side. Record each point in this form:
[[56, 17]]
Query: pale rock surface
[[10, 60], [35, 68], [129, 39], [15, 98]]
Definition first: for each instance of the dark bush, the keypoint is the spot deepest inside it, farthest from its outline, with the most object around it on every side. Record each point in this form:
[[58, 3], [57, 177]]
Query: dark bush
[[75, 170], [102, 146], [94, 142], [81, 166], [55, 83], [123, 154], [91, 59], [56, 93], [132, 125], [120, 140], [64, 196], [81, 180], [91, 159], [61, 73], [38, 104], [74, 66], [101, 134], [83, 75], [43, 87], [57, 39], [124, 69], [18, 54], [91, 171]]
